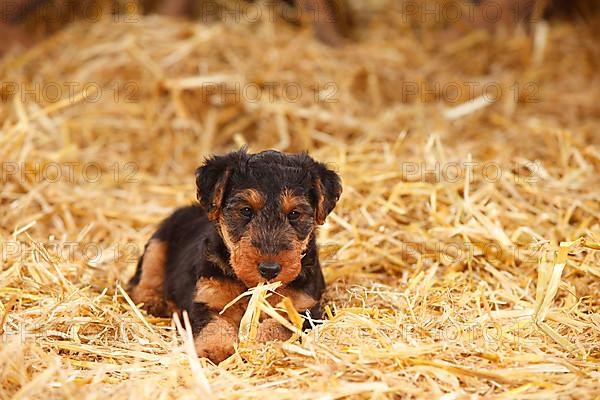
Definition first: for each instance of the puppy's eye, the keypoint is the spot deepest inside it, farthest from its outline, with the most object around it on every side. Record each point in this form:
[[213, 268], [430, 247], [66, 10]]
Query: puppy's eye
[[246, 212], [293, 216]]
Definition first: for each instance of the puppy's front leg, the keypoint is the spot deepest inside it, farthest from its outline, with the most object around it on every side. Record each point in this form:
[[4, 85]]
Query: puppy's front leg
[[216, 333]]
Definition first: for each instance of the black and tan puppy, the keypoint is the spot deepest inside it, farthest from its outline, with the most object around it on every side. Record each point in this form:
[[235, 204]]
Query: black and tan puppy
[[256, 222]]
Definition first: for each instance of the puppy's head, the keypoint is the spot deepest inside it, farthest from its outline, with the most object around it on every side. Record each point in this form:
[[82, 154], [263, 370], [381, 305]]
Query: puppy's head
[[266, 207]]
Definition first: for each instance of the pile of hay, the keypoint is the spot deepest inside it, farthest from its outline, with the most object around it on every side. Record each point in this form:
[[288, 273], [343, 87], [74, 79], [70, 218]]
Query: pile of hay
[[462, 260]]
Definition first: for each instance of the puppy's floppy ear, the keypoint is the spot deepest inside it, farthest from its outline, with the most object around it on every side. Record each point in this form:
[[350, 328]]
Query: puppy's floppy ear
[[212, 179], [327, 188]]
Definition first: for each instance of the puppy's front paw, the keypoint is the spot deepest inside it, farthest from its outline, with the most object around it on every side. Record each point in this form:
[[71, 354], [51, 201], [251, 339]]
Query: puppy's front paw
[[216, 340], [270, 330], [153, 301]]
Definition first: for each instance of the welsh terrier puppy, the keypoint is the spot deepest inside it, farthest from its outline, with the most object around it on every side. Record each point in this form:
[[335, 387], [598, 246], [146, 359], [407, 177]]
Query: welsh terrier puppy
[[255, 222]]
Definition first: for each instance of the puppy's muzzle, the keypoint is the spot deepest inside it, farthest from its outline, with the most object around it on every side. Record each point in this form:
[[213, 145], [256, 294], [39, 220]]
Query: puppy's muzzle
[[269, 270]]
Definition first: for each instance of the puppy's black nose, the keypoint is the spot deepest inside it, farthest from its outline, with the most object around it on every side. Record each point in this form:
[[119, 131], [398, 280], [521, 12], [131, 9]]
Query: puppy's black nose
[[269, 270]]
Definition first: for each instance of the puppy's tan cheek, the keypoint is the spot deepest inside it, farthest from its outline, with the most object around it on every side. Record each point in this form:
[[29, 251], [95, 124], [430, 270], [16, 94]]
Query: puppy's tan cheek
[[242, 255], [290, 268], [291, 261], [244, 260], [225, 234]]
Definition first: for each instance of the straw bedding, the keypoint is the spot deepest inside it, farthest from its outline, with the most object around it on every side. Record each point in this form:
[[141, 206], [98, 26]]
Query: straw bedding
[[445, 280]]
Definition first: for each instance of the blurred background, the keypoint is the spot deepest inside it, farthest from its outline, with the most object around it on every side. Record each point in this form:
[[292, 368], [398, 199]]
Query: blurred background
[[27, 21], [467, 136]]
